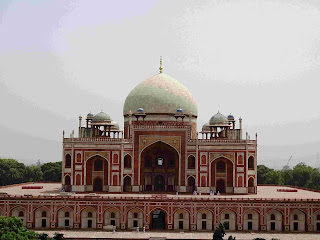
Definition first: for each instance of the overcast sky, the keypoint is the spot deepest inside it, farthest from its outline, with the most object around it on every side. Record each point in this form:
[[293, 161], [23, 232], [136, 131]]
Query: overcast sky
[[256, 59]]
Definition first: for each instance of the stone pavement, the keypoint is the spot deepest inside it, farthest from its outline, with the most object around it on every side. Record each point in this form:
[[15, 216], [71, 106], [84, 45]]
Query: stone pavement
[[179, 235]]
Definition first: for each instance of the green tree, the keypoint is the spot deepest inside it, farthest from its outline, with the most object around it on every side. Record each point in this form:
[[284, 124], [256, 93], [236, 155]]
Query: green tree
[[52, 171], [287, 177], [274, 177], [11, 229], [262, 170], [314, 181], [33, 173], [11, 172], [301, 174]]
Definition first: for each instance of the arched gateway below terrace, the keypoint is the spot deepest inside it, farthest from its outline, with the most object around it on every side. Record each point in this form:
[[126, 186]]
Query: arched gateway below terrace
[[159, 168], [158, 221]]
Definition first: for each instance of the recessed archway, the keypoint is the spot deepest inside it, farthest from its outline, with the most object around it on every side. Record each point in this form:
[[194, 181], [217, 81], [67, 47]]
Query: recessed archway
[[191, 184], [159, 183], [158, 221], [221, 186], [127, 184], [97, 167], [159, 167], [97, 185], [222, 173]]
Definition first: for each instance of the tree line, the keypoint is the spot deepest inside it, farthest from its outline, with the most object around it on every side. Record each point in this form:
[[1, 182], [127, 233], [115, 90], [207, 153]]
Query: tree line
[[13, 172], [301, 175]]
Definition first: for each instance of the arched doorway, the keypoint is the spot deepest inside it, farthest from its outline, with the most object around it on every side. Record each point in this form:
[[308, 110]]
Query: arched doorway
[[96, 167], [222, 171], [159, 169], [97, 185], [221, 187], [127, 184], [158, 220], [159, 183], [191, 184], [67, 183]]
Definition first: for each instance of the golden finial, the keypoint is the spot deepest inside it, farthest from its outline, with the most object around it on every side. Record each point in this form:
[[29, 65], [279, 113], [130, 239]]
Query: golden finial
[[160, 68]]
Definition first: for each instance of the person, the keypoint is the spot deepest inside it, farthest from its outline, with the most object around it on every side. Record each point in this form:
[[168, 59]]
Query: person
[[114, 229], [144, 229], [177, 193], [218, 193], [137, 229]]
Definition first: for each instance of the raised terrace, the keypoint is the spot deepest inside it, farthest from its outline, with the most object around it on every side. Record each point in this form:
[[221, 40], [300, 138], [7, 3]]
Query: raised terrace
[[265, 193]]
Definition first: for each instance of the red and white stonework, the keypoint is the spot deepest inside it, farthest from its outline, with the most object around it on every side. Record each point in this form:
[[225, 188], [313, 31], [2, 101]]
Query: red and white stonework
[[160, 173]]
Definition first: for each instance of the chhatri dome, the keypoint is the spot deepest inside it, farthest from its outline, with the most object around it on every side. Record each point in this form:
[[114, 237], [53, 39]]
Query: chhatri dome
[[160, 94]]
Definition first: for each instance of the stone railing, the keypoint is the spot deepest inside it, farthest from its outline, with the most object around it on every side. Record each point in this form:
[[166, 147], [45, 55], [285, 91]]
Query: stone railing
[[96, 139], [223, 141], [173, 198]]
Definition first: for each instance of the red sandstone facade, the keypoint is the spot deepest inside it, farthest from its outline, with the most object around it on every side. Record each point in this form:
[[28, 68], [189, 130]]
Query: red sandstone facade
[[160, 156]]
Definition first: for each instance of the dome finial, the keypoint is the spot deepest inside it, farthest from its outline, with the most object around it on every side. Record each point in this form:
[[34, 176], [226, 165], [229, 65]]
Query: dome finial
[[160, 68]]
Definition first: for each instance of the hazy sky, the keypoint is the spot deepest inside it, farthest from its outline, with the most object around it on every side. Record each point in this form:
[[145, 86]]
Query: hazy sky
[[256, 59]]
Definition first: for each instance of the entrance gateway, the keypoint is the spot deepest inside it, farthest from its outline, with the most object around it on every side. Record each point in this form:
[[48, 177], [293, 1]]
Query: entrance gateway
[[159, 168], [158, 220]]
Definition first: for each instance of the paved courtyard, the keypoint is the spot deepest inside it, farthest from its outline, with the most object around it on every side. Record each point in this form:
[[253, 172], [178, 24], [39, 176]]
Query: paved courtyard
[[180, 235], [263, 192]]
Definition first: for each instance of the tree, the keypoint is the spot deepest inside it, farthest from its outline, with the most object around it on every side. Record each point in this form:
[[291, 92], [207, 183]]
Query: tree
[[44, 236], [274, 177], [301, 174], [287, 177], [11, 172], [314, 181], [262, 170], [33, 173], [12, 228], [52, 171], [58, 236], [220, 232]]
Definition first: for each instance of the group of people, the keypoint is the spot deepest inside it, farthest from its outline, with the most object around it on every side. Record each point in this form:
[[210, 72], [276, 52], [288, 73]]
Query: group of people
[[138, 229], [212, 193]]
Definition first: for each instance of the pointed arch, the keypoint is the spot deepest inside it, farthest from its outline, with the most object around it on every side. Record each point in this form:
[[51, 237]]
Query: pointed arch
[[155, 156], [67, 161], [88, 217], [251, 223], [274, 220], [112, 217], [127, 184], [191, 184], [230, 216], [297, 220], [191, 161], [181, 219], [42, 217], [103, 173], [65, 217], [135, 218], [127, 161], [217, 174], [204, 219]]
